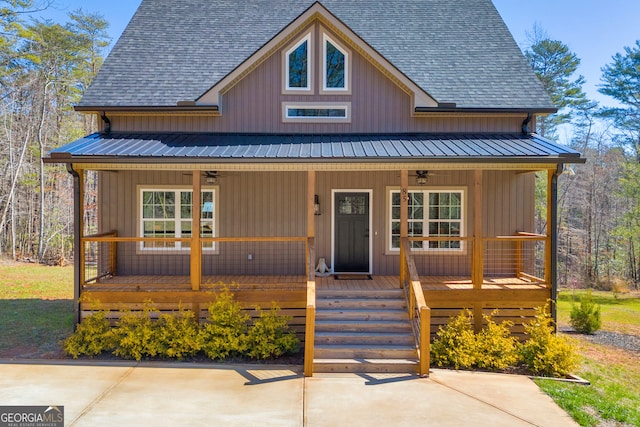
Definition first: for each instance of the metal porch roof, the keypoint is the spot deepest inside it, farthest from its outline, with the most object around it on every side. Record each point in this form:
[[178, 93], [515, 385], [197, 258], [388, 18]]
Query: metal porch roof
[[197, 147]]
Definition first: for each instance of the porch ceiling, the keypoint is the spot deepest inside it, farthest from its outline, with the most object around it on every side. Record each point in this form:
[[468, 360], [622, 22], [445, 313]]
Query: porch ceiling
[[319, 148]]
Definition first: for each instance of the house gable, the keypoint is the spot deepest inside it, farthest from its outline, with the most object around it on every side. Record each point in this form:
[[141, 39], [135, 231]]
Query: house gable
[[173, 54], [319, 21]]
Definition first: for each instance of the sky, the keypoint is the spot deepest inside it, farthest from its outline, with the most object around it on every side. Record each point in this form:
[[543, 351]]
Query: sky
[[594, 30]]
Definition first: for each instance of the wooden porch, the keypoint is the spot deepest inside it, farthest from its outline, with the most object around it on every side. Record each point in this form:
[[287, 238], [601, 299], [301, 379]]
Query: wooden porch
[[509, 273], [445, 296]]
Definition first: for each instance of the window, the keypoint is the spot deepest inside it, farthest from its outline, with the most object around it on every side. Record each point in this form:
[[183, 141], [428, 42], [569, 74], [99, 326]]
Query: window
[[168, 213], [431, 213], [298, 66], [334, 66], [316, 112]]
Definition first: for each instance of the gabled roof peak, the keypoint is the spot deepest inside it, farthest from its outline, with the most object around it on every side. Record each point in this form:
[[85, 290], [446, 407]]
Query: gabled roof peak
[[317, 13], [456, 51]]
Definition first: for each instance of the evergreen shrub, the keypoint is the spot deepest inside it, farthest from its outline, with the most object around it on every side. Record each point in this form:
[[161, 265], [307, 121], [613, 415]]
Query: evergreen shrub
[[585, 318]]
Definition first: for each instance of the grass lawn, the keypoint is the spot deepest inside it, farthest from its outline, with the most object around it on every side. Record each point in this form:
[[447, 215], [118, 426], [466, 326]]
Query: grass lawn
[[613, 398], [36, 309], [620, 312]]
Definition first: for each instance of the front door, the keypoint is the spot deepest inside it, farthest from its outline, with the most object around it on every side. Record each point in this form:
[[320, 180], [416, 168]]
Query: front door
[[351, 232]]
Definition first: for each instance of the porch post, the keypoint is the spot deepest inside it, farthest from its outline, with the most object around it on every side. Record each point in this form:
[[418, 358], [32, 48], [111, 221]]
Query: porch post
[[196, 246], [311, 191], [551, 262], [310, 311], [547, 242], [78, 233], [80, 224], [478, 245], [404, 220]]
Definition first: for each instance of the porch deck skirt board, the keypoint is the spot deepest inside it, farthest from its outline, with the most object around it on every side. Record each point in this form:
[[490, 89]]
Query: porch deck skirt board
[[515, 299]]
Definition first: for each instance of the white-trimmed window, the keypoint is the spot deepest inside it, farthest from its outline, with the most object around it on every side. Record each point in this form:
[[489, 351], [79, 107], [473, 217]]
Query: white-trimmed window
[[335, 66], [298, 66], [431, 212], [327, 112], [167, 212]]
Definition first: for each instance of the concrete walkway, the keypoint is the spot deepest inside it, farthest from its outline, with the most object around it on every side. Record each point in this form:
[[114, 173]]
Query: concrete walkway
[[157, 394]]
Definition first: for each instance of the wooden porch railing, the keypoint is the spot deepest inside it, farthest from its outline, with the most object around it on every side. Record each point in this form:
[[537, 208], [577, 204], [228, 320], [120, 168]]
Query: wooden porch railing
[[513, 259], [112, 258], [419, 312], [309, 336], [109, 260], [518, 240]]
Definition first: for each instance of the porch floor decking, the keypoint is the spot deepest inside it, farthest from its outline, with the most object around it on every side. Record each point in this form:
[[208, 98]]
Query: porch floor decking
[[151, 283], [437, 283]]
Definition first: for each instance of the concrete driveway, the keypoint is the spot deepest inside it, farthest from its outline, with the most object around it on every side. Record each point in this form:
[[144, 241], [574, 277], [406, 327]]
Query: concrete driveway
[[171, 394]]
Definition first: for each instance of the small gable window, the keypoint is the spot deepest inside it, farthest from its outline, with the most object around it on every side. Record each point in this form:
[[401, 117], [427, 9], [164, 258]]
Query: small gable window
[[297, 64], [328, 112], [335, 66]]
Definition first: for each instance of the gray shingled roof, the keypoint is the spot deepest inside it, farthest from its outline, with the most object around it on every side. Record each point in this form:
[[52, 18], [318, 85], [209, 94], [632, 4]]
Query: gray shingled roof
[[457, 51], [181, 147]]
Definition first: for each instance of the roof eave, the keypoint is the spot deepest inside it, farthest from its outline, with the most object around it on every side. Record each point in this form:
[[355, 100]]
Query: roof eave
[[66, 158], [180, 108], [454, 109]]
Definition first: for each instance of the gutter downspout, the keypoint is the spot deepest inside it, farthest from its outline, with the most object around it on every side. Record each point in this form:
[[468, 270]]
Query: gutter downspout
[[107, 123], [525, 124], [76, 244], [554, 244]]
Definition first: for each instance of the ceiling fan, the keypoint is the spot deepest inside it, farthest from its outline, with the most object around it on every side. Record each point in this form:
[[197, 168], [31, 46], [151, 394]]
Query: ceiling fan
[[211, 177], [422, 176]]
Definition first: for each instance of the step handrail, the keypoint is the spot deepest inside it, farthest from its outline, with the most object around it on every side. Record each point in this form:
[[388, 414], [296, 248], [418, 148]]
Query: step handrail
[[419, 311], [309, 336]]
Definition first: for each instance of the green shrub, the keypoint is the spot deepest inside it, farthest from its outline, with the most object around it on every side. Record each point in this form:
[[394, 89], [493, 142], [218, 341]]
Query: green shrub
[[224, 334], [270, 336], [178, 334], [455, 344], [544, 352], [496, 348], [137, 335], [585, 318], [92, 337]]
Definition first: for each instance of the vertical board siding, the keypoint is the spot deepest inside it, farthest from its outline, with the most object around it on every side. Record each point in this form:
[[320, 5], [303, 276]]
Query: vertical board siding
[[250, 205], [260, 204], [254, 105]]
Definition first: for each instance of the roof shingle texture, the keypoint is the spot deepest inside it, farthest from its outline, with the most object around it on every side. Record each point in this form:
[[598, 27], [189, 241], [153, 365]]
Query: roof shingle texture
[[457, 51]]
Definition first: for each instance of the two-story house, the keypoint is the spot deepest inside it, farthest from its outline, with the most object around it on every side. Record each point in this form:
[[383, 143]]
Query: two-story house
[[368, 165]]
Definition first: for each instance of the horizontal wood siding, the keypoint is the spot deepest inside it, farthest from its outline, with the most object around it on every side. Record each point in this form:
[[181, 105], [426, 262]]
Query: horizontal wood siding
[[516, 305], [291, 302], [254, 104]]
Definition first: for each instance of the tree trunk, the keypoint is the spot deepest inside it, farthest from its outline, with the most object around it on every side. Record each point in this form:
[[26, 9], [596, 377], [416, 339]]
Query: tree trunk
[[41, 145]]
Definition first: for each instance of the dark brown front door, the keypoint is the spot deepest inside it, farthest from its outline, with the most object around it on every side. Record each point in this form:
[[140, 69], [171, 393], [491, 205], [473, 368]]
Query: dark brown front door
[[351, 232]]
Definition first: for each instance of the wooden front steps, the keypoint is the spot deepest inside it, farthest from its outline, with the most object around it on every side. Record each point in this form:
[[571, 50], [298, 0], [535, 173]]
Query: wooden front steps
[[363, 331]]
